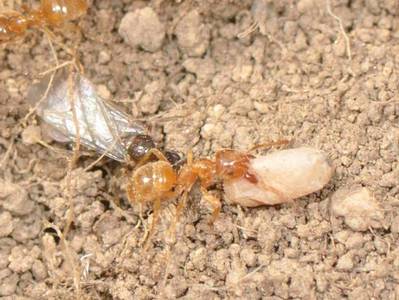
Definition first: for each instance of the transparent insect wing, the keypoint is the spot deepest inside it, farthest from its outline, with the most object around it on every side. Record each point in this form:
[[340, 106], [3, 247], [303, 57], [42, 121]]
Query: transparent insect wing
[[101, 126]]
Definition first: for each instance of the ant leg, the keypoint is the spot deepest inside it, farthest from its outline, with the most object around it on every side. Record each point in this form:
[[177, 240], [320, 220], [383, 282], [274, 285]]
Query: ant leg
[[190, 158], [269, 144], [214, 202], [154, 151], [130, 193], [182, 204], [155, 217], [132, 199]]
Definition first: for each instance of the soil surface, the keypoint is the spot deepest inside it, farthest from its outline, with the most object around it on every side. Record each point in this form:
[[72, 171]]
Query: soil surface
[[209, 75]]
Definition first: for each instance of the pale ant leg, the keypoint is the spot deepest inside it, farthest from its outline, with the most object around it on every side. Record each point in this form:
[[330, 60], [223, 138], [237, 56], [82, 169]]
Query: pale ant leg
[[214, 202], [189, 158], [179, 209], [183, 201], [158, 154], [130, 193], [132, 199], [155, 218]]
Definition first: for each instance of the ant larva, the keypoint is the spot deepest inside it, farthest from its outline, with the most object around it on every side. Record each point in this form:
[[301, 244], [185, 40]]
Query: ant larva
[[51, 13]]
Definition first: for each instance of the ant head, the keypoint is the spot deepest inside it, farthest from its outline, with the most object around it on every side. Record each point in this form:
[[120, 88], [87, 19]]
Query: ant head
[[140, 145], [231, 164]]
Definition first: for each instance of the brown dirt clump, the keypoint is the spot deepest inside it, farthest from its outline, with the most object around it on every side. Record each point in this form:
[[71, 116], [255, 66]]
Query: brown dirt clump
[[239, 72]]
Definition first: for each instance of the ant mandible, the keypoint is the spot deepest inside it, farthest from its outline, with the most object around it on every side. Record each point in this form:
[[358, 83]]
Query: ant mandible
[[50, 13], [158, 181]]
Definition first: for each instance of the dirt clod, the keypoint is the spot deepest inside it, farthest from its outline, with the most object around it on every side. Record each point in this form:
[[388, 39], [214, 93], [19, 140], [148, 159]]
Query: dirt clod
[[8, 285], [6, 224], [192, 34], [31, 135], [142, 28], [15, 199], [345, 262], [358, 207]]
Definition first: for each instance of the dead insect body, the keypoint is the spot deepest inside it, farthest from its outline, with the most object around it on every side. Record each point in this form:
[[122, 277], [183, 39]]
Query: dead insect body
[[100, 125], [51, 13]]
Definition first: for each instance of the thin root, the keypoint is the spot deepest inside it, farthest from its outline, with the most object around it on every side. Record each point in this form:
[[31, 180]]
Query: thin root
[[341, 26], [6, 155], [248, 31], [68, 257]]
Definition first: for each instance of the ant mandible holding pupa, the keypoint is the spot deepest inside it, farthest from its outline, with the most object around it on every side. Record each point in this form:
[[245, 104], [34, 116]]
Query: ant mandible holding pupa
[[247, 180], [51, 13]]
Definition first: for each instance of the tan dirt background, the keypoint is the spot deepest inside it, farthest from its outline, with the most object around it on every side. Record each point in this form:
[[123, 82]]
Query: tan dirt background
[[291, 77]]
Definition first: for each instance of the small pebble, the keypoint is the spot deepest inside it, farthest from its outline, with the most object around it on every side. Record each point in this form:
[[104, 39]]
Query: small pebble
[[31, 135], [199, 258], [9, 285], [15, 199], [104, 57], [248, 257], [207, 130], [20, 259], [103, 92], [6, 224], [151, 99], [217, 111], [345, 262], [355, 241], [39, 270]]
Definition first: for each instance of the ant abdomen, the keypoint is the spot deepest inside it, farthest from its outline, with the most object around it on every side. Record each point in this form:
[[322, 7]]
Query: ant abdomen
[[56, 12], [153, 180]]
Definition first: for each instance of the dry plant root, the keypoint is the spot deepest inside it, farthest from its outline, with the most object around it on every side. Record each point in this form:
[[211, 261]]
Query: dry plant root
[[342, 29]]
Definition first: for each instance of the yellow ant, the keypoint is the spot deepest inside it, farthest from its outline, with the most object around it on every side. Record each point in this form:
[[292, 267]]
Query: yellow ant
[[51, 13], [157, 181]]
